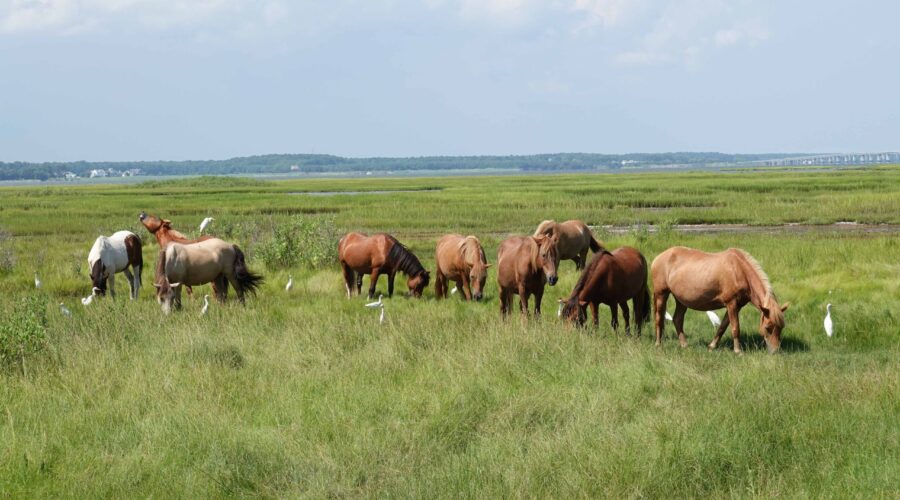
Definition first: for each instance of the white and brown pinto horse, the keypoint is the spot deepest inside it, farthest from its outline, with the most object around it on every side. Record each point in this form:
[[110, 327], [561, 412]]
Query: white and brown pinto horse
[[209, 261], [706, 281], [574, 239], [524, 265], [460, 259], [115, 254]]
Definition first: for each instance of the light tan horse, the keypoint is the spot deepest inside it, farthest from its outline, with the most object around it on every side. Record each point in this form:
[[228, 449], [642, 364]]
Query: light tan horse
[[574, 239], [524, 264], [210, 261], [706, 281], [461, 259]]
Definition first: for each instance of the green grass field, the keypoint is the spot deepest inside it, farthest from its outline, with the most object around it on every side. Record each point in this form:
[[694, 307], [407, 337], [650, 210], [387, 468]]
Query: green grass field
[[305, 394]]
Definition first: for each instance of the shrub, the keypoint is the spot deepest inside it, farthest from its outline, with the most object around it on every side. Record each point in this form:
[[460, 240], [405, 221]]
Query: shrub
[[7, 255], [305, 241], [23, 330]]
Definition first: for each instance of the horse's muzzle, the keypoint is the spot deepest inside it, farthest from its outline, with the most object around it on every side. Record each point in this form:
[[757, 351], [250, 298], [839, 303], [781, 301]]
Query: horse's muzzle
[[142, 215], [478, 296], [552, 280]]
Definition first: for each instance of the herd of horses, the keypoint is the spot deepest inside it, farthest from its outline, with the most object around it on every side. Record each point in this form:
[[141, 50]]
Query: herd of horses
[[697, 280]]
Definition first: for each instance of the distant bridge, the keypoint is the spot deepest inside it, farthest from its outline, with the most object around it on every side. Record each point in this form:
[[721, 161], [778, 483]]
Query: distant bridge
[[833, 159]]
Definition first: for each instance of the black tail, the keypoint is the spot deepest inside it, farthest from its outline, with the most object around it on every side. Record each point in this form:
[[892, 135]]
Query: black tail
[[644, 314], [595, 246], [248, 281]]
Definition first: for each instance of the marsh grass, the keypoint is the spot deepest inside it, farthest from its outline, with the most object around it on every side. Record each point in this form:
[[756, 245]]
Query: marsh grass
[[305, 394]]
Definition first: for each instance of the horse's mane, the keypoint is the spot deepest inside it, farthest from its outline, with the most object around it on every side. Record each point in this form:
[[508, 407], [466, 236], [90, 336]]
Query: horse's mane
[[582, 280], [403, 259], [543, 227], [472, 250], [770, 301]]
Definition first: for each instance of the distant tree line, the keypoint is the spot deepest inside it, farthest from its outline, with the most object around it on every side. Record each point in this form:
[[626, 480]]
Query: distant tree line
[[312, 163]]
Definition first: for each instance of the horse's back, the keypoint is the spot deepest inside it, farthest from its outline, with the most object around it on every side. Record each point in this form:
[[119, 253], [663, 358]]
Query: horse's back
[[364, 253], [694, 276], [514, 252], [200, 262], [447, 252]]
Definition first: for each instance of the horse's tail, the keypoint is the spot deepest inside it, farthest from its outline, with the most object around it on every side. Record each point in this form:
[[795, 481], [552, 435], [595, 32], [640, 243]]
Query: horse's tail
[[642, 310], [248, 281], [595, 245]]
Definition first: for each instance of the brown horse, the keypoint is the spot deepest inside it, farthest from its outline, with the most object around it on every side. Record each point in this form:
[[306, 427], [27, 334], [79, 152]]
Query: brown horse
[[611, 278], [574, 239], [210, 261], [524, 264], [165, 234], [460, 259], [707, 281], [380, 253]]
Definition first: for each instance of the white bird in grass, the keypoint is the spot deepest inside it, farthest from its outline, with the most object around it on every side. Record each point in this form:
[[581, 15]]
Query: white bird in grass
[[669, 317], [290, 284], [559, 310], [381, 319], [86, 301], [376, 304], [64, 310], [829, 326], [453, 291], [205, 305], [37, 281], [714, 318], [205, 223]]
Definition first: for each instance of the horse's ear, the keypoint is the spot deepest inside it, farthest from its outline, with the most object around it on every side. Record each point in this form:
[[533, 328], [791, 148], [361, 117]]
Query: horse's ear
[[157, 285], [175, 285], [487, 266], [785, 306], [167, 223], [582, 303], [562, 301]]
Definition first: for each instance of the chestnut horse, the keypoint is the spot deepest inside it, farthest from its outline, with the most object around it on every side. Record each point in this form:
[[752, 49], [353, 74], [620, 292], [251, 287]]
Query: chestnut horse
[[380, 253], [165, 234], [461, 259], [113, 255], [611, 278], [707, 281], [574, 239], [210, 261], [524, 264]]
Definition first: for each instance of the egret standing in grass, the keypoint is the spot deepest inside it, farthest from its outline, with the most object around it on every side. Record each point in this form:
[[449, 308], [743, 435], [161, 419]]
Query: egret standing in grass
[[205, 223], [290, 284], [86, 301], [378, 304], [64, 310], [205, 305], [829, 326], [714, 319], [668, 316], [37, 281]]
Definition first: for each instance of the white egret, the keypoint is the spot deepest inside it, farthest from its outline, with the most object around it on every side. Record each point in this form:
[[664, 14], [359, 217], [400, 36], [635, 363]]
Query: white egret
[[64, 310], [205, 305], [381, 319], [290, 284], [454, 290], [37, 281], [829, 326], [714, 319], [560, 308], [668, 316], [205, 223], [376, 304], [86, 301]]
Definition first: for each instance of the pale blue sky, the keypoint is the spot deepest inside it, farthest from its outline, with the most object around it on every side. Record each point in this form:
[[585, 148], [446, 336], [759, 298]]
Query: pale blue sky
[[211, 79]]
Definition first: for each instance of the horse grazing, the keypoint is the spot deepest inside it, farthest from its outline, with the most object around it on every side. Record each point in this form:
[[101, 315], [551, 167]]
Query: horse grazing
[[524, 264], [611, 278], [707, 281], [210, 261], [460, 259], [114, 255], [380, 253], [574, 239], [165, 234]]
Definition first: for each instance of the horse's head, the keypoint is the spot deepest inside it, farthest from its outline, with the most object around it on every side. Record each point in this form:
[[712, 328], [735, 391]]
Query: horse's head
[[477, 278], [574, 311], [153, 223], [771, 322], [547, 257], [99, 275], [418, 283], [165, 294]]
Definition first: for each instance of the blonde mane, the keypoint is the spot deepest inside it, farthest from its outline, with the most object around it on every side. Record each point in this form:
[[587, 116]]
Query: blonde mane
[[769, 301], [471, 249], [544, 227]]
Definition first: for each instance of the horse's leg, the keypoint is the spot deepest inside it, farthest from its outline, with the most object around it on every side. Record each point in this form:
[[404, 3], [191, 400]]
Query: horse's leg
[[659, 299], [130, 278], [595, 313], [734, 318], [390, 278], [504, 302], [177, 298], [626, 316], [220, 288], [348, 278], [538, 296], [439, 285], [719, 332], [523, 299], [238, 289], [359, 277], [373, 280], [465, 287], [678, 320], [111, 283], [614, 316]]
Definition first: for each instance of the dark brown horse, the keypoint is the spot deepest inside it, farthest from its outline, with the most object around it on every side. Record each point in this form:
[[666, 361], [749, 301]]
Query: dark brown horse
[[708, 281], [524, 265], [379, 254], [461, 259], [611, 278]]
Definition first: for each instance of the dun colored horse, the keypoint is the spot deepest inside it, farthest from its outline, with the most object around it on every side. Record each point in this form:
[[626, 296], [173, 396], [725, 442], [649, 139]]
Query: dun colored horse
[[574, 239], [210, 261], [165, 234], [114, 255], [460, 259], [379, 254], [611, 278], [707, 281], [524, 264]]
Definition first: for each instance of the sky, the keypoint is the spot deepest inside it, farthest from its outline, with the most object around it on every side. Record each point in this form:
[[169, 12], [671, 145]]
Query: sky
[[123, 80]]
